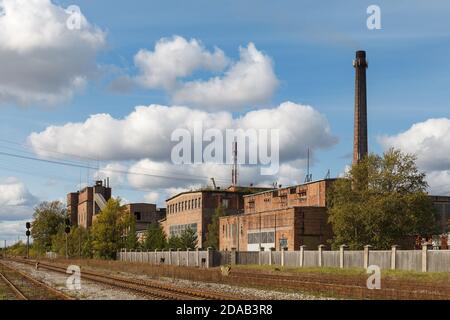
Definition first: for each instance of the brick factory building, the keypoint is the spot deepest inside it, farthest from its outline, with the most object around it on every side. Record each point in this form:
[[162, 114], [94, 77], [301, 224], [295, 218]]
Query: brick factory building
[[279, 218], [442, 205], [84, 205], [194, 209], [145, 214]]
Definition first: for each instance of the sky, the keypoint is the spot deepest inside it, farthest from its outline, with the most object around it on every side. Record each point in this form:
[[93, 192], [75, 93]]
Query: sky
[[103, 91]]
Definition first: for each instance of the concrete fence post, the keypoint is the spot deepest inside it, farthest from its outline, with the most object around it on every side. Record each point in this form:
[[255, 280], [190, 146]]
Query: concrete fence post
[[321, 246], [142, 256], [261, 250], [178, 257], [170, 256], [282, 256], [302, 256], [341, 255], [197, 252], [233, 256], [208, 257], [187, 256], [270, 255], [156, 256], [366, 255], [424, 257], [394, 257]]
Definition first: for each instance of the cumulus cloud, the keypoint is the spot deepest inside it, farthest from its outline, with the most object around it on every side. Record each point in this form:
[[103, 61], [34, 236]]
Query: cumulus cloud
[[439, 182], [175, 58], [16, 201], [115, 171], [10, 230], [430, 142], [152, 197], [249, 81], [244, 83], [146, 132], [43, 61]]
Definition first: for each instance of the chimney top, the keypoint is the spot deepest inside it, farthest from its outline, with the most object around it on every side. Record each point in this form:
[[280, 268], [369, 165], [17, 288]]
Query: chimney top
[[360, 54]]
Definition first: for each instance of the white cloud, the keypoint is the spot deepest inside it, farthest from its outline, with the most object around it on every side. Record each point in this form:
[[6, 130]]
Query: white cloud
[[175, 58], [241, 84], [249, 81], [16, 201], [429, 140], [42, 60], [115, 171], [146, 132], [10, 230], [152, 197], [439, 182]]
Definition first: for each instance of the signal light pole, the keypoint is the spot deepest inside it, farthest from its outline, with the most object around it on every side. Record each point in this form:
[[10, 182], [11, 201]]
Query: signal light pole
[[67, 231], [28, 233]]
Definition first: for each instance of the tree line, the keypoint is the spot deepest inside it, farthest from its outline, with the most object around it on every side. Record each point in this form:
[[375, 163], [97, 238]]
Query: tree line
[[113, 229]]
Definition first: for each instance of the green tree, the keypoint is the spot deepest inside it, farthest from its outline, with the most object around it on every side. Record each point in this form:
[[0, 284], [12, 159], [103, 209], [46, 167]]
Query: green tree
[[174, 242], [155, 237], [381, 202], [212, 235], [78, 243], [188, 239], [129, 223], [111, 230], [47, 219]]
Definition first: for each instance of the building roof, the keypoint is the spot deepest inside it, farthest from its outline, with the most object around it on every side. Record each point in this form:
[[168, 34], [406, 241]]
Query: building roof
[[294, 186], [231, 189]]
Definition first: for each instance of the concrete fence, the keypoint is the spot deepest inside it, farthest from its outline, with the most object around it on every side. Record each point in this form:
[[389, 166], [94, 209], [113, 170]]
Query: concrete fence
[[412, 260], [188, 258]]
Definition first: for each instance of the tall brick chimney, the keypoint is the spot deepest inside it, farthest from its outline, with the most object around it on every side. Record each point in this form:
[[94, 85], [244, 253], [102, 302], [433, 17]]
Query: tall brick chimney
[[360, 125]]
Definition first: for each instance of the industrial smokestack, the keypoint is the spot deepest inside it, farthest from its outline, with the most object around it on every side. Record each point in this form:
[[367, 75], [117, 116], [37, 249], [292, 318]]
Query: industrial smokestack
[[360, 148]]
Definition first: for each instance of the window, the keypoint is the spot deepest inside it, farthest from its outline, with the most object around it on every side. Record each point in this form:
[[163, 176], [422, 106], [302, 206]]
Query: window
[[137, 215], [225, 203], [264, 237]]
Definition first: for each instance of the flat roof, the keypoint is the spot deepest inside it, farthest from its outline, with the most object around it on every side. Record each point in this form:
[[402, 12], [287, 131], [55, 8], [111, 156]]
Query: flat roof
[[294, 186], [238, 189]]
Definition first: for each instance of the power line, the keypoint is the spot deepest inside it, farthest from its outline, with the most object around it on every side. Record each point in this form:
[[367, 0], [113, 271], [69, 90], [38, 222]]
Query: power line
[[83, 166]]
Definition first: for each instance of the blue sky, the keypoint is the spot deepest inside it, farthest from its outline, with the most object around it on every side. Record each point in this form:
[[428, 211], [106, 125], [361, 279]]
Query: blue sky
[[311, 45]]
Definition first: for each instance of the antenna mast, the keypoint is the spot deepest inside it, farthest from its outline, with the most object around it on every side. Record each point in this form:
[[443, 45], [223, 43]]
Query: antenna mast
[[308, 177], [234, 171]]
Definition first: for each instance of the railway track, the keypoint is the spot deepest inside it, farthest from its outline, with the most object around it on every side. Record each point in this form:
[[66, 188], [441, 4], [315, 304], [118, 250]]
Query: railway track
[[343, 287], [148, 288], [25, 287]]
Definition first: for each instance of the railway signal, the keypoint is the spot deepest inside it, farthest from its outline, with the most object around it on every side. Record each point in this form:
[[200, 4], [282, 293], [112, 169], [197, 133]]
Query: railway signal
[[67, 231], [28, 233]]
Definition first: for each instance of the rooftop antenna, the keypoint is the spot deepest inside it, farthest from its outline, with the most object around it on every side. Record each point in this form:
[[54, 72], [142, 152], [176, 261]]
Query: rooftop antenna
[[234, 171], [308, 177], [328, 175], [214, 183]]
